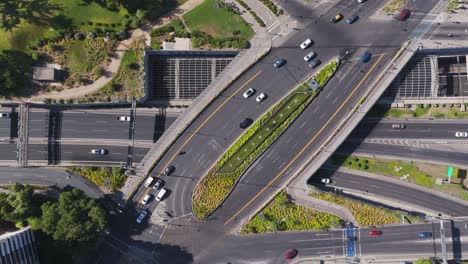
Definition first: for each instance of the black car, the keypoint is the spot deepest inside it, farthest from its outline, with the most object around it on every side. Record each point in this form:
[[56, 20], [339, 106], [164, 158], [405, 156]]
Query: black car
[[158, 184], [314, 63], [169, 170], [279, 62], [245, 123]]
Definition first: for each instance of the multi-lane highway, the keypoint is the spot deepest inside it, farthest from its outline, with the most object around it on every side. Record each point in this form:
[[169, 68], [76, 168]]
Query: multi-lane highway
[[379, 187], [218, 126], [62, 136]]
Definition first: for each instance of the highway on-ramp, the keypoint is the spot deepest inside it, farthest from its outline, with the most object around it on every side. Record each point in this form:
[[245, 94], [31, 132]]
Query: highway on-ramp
[[218, 126]]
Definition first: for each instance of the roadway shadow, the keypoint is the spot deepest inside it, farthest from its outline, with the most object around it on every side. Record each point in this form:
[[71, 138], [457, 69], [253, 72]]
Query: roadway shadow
[[54, 133], [456, 241], [14, 122], [159, 124]]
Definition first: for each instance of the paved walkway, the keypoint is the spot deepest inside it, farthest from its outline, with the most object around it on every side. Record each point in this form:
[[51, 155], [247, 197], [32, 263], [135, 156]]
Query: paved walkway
[[114, 64]]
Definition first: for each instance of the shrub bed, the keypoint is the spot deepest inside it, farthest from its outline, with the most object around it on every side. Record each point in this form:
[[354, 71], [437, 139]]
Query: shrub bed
[[365, 214], [283, 215], [394, 6], [259, 21], [214, 188], [113, 178], [272, 7]]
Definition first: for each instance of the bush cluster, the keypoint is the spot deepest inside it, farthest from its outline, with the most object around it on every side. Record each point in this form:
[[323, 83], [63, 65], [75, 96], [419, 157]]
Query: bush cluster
[[200, 38], [365, 214], [103, 176], [283, 215], [259, 21]]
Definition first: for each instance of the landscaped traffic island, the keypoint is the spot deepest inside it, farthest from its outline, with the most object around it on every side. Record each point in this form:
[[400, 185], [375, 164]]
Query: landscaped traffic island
[[216, 185]]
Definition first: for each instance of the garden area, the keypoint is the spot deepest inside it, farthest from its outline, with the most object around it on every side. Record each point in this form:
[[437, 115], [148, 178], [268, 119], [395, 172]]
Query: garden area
[[283, 215], [213, 189], [79, 35], [394, 6], [109, 178], [366, 214], [419, 111], [419, 173]]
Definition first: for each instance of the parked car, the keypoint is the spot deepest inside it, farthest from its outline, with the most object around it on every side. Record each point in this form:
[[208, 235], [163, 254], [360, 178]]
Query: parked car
[[158, 184], [361, 1], [161, 194], [261, 97], [124, 118], [398, 126], [309, 56], [99, 151], [365, 57], [325, 180], [461, 134], [352, 19], [169, 170], [279, 62], [246, 122], [314, 63], [375, 232], [306, 43], [291, 254], [142, 216], [146, 199], [248, 93], [404, 14], [425, 234], [4, 115], [337, 18]]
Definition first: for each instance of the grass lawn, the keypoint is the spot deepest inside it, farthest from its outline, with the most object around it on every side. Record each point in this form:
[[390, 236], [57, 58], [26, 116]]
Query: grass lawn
[[366, 214], [217, 22], [77, 10], [439, 111], [423, 174], [282, 215]]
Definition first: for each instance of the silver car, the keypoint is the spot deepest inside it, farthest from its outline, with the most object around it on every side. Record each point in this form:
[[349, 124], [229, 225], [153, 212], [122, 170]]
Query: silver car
[[309, 56], [99, 151]]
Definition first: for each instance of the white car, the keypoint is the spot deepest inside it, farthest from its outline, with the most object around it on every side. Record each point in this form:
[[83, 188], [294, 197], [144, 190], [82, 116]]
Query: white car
[[361, 1], [306, 43], [461, 134], [249, 92], [99, 151], [309, 56], [261, 97], [4, 115], [142, 216], [124, 118], [325, 180], [146, 200]]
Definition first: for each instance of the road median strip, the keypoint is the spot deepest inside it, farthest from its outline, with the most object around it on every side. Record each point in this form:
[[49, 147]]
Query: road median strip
[[220, 180]]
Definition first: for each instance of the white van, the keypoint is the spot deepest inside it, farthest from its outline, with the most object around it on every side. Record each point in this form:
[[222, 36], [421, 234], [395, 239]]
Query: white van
[[146, 199], [149, 181], [161, 194]]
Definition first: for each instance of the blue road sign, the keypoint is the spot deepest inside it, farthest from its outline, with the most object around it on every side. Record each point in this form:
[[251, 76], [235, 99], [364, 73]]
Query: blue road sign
[[350, 242]]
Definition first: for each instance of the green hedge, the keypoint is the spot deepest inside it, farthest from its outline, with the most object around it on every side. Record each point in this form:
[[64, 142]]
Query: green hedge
[[272, 7], [113, 178]]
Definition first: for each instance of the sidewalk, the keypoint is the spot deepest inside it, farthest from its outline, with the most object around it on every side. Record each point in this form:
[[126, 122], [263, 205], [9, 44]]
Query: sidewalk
[[113, 66], [301, 196]]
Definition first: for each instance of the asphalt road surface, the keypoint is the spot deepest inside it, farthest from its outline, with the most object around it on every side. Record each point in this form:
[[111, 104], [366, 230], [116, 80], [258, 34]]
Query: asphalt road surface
[[218, 126], [396, 192], [50, 178], [414, 129]]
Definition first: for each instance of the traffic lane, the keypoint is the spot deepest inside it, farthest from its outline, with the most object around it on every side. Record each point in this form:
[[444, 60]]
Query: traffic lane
[[441, 31], [5, 127], [303, 137], [79, 153], [271, 247], [93, 125], [424, 130], [38, 123], [49, 177], [397, 192], [151, 127], [8, 151], [404, 152]]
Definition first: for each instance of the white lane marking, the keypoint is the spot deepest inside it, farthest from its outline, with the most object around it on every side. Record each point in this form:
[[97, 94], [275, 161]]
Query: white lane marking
[[99, 121], [289, 139], [321, 116], [99, 130], [334, 101], [356, 182]]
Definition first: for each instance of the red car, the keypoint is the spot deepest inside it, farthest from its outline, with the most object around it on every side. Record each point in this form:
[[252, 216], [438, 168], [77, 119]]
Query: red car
[[291, 254], [375, 233]]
